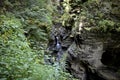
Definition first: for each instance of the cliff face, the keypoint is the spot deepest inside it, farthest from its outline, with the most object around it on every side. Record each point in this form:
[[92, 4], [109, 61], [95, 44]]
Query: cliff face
[[89, 33], [94, 59]]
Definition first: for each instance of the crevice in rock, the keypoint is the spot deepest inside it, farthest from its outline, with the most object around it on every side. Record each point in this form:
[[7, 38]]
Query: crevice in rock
[[94, 76], [111, 58]]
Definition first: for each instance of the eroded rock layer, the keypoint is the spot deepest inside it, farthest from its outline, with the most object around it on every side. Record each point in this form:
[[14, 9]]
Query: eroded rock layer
[[88, 31]]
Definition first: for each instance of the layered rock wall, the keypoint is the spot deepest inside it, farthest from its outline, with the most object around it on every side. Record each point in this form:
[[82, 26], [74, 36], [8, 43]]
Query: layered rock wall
[[89, 31]]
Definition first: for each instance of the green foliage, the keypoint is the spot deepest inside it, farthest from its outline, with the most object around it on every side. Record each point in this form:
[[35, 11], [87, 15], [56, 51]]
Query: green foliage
[[65, 19], [23, 40], [46, 72], [15, 53], [17, 59], [106, 25], [97, 14]]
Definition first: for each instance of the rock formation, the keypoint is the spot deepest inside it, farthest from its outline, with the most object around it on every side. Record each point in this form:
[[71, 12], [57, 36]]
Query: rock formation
[[90, 36]]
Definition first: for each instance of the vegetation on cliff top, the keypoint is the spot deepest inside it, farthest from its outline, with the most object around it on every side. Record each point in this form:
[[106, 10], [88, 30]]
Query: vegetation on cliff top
[[102, 16]]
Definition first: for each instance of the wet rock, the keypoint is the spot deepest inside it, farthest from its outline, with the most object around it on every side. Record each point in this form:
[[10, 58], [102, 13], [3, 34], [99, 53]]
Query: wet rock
[[86, 60]]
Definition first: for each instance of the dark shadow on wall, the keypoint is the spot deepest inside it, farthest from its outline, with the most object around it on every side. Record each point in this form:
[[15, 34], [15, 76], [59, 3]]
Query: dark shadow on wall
[[111, 58]]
